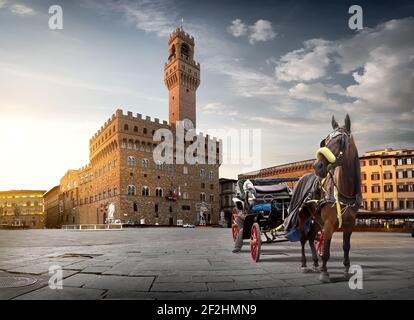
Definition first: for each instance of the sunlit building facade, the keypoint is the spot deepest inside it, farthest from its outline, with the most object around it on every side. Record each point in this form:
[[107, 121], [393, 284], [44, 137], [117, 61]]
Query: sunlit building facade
[[22, 208]]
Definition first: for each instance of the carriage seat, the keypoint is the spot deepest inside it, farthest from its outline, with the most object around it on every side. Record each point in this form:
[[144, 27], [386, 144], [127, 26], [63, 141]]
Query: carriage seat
[[270, 189]]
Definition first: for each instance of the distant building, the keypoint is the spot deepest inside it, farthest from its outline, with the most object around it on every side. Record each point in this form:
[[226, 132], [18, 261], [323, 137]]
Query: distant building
[[288, 170], [51, 208], [227, 192], [22, 208], [388, 179]]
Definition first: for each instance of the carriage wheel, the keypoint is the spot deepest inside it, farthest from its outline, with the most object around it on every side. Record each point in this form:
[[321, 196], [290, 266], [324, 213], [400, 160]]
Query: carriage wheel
[[234, 227], [255, 242], [319, 240]]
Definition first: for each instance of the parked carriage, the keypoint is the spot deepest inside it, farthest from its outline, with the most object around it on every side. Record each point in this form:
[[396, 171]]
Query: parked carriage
[[265, 206]]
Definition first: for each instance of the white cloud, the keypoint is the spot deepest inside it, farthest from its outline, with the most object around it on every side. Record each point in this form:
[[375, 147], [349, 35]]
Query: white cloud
[[237, 28], [380, 60], [262, 30], [22, 10], [157, 16], [3, 3], [219, 108], [316, 92], [305, 64]]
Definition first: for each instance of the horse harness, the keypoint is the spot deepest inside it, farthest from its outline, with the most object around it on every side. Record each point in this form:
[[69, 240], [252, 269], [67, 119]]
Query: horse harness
[[336, 199]]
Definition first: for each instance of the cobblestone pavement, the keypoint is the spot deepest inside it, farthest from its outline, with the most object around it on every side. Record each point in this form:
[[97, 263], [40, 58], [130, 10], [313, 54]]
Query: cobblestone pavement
[[176, 263]]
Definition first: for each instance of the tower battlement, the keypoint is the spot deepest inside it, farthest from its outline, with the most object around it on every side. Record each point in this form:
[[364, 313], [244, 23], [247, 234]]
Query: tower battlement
[[180, 33]]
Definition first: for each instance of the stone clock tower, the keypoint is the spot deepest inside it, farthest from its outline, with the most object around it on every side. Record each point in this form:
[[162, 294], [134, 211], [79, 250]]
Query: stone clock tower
[[181, 77]]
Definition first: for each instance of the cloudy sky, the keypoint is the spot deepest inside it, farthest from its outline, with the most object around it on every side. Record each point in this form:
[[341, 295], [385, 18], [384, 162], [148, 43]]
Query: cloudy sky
[[282, 67]]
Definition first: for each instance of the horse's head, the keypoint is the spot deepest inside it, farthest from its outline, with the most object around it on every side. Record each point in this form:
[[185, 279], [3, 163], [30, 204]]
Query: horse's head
[[333, 148]]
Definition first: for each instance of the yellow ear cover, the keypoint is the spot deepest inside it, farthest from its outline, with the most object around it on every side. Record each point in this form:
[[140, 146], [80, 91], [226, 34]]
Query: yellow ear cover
[[327, 154]]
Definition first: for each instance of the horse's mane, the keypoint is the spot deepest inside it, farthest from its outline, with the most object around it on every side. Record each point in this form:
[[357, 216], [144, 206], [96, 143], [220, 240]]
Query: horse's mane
[[351, 161]]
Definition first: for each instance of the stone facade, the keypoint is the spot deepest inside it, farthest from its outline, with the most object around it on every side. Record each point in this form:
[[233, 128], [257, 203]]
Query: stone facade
[[227, 192], [122, 170], [22, 208], [51, 208]]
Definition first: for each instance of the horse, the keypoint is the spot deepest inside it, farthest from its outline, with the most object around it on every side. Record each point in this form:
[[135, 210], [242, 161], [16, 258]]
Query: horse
[[338, 196]]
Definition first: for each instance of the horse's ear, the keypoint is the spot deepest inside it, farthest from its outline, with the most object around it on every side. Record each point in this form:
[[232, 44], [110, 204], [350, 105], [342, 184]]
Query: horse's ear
[[335, 124], [348, 123]]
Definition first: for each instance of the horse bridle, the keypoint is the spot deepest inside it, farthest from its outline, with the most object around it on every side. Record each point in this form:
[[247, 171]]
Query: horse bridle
[[334, 160]]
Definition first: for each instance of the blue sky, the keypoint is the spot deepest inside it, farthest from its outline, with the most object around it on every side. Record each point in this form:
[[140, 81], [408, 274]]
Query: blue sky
[[282, 66]]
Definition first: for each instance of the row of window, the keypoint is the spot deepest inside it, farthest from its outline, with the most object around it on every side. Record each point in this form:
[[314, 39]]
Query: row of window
[[101, 195], [131, 162], [22, 196], [145, 191], [99, 172], [4, 212], [103, 138], [136, 129], [27, 204], [405, 187], [389, 204], [403, 174], [388, 162], [389, 188]]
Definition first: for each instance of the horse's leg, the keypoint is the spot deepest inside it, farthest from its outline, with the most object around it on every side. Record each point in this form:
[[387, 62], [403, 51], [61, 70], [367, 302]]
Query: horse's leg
[[346, 245], [328, 231], [303, 242], [312, 236]]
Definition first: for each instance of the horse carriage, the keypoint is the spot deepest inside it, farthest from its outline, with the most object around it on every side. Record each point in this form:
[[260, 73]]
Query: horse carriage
[[263, 203]]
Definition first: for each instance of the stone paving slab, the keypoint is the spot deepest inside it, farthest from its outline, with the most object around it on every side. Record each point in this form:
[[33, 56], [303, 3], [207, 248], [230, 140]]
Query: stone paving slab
[[177, 263]]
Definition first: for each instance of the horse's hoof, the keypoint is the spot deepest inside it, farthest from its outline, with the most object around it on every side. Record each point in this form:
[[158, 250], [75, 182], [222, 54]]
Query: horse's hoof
[[304, 269], [324, 277], [347, 275], [316, 269]]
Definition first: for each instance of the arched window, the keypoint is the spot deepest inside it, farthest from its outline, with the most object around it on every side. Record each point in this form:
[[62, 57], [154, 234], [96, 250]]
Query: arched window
[[145, 163], [185, 50], [131, 161], [202, 173], [135, 129], [124, 143], [202, 196], [145, 191], [130, 144], [172, 52], [126, 127], [131, 190], [158, 192], [158, 166], [211, 175], [211, 197], [185, 195], [135, 207]]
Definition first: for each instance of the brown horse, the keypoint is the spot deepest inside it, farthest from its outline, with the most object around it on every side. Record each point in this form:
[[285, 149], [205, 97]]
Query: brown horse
[[337, 164]]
